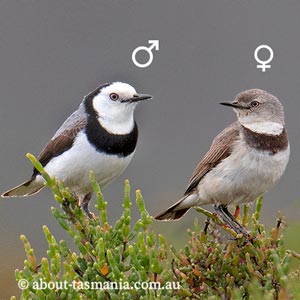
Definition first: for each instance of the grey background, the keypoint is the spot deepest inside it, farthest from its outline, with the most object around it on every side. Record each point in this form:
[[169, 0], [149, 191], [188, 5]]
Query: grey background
[[52, 53]]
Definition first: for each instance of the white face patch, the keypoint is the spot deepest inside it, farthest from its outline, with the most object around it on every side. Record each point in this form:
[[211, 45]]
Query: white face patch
[[124, 90], [270, 128], [116, 116]]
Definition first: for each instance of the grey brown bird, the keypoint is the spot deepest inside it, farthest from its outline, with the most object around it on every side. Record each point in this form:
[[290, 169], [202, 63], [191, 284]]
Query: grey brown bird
[[244, 161], [101, 135]]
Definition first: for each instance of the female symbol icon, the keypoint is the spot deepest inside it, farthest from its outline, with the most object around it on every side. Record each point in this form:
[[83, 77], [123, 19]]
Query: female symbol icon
[[263, 64]]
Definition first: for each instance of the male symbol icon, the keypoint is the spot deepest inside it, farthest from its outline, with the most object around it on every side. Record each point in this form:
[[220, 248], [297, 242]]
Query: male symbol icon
[[154, 45]]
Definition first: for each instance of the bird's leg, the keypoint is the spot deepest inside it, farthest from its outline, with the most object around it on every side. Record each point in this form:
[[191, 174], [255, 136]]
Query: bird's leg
[[229, 219], [85, 206], [225, 218], [207, 223], [233, 219]]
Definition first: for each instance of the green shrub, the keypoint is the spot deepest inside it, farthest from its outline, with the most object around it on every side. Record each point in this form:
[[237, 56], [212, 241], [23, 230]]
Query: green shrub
[[111, 259]]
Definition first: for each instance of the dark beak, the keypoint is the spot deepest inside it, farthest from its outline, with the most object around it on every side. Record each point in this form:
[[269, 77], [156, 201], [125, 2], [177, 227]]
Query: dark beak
[[138, 97], [233, 104]]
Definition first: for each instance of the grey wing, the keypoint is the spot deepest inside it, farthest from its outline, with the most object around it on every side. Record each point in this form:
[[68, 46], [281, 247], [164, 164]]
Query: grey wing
[[219, 150], [63, 138], [77, 118]]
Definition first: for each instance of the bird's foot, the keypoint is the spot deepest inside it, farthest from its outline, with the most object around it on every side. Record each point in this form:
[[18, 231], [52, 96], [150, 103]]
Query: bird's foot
[[65, 202], [233, 224], [89, 213]]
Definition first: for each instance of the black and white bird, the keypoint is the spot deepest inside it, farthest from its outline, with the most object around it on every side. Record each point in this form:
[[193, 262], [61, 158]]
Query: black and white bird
[[244, 161], [101, 135]]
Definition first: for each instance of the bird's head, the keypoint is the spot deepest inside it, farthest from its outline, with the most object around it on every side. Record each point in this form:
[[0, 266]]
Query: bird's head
[[114, 104], [257, 107]]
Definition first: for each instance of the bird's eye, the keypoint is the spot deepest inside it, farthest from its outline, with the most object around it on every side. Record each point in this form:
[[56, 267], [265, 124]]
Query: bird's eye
[[114, 96], [254, 103]]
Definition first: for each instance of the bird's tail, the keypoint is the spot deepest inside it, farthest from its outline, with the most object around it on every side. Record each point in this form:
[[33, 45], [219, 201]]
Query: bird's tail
[[27, 188], [177, 210]]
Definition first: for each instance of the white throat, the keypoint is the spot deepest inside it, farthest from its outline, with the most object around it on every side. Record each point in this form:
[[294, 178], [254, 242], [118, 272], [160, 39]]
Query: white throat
[[117, 126], [270, 128]]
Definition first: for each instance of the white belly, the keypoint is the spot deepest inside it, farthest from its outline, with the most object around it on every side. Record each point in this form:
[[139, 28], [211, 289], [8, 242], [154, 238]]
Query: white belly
[[74, 165], [242, 177]]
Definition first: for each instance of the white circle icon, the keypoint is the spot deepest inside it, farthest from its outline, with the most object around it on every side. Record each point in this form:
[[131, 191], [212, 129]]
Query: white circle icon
[[263, 64], [23, 284], [154, 45]]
